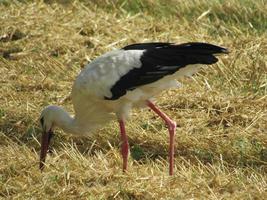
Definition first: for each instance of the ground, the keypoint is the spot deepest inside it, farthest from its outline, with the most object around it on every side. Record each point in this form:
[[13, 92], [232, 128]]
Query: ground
[[221, 141]]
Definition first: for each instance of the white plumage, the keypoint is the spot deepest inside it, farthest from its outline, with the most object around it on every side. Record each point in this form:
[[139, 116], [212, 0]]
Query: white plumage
[[102, 73], [109, 86]]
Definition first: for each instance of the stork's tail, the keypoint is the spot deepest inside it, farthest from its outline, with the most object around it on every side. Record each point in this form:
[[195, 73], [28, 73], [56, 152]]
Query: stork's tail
[[201, 48]]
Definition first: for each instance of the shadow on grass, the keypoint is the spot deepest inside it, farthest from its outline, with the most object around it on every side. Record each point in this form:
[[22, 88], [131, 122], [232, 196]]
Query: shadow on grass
[[141, 152]]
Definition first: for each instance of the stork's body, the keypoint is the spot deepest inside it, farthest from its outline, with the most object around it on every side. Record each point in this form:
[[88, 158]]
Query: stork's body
[[112, 84]]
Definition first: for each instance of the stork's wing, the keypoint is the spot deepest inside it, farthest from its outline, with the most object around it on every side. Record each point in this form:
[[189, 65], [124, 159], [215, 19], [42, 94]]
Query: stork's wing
[[162, 59]]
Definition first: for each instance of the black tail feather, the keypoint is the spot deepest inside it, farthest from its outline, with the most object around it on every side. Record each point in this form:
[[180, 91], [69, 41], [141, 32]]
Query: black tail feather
[[200, 48], [190, 47]]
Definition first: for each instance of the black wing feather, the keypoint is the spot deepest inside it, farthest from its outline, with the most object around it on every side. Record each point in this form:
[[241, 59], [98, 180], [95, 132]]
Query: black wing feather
[[141, 46], [162, 59]]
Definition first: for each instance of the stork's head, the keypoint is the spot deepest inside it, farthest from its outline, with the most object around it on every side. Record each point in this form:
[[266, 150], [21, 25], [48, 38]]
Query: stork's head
[[50, 117], [47, 121]]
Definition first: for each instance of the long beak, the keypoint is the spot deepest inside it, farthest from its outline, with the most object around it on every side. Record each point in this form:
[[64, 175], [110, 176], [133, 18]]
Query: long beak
[[46, 138]]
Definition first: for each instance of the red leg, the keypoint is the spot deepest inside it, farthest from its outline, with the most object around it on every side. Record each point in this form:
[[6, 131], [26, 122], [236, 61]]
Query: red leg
[[171, 127], [124, 146]]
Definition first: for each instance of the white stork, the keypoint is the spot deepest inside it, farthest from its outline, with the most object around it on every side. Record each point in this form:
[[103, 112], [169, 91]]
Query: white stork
[[112, 84]]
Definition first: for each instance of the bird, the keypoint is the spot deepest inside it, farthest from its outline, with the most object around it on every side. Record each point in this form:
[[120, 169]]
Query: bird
[[112, 84]]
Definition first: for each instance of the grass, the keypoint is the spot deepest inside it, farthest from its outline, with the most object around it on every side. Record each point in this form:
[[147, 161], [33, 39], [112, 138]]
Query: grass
[[221, 142]]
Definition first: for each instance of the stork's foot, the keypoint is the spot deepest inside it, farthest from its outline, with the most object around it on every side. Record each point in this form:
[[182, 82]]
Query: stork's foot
[[125, 153], [124, 146], [172, 129]]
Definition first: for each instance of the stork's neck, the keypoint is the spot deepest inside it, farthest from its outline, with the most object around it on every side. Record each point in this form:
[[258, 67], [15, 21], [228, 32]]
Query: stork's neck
[[67, 123]]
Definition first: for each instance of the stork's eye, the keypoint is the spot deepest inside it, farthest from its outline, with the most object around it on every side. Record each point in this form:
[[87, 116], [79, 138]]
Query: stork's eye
[[42, 121]]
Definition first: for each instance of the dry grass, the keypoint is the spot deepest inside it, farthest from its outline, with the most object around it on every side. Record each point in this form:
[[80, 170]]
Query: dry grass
[[221, 142]]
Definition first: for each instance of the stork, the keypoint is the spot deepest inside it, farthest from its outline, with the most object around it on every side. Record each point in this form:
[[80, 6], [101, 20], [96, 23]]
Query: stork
[[112, 84]]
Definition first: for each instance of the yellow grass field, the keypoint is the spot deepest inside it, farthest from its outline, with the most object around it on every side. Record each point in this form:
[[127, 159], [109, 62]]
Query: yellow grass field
[[221, 141]]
